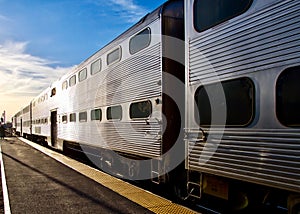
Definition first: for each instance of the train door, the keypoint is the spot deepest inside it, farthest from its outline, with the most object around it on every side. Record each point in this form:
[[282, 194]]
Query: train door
[[54, 128]]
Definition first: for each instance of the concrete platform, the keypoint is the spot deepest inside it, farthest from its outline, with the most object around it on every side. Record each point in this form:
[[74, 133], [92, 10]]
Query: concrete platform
[[40, 180]]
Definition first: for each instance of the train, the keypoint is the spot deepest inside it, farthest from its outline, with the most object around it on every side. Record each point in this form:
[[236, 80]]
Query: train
[[199, 95]]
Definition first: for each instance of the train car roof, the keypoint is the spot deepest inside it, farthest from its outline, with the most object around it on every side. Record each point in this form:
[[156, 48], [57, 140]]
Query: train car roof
[[142, 23]]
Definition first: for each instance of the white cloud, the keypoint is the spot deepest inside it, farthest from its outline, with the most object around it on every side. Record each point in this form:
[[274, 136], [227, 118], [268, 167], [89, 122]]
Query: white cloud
[[23, 76], [128, 10], [4, 18]]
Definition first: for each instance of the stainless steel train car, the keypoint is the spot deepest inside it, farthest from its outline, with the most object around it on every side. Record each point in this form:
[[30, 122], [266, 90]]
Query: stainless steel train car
[[115, 105], [242, 100], [22, 121], [40, 126], [201, 95]]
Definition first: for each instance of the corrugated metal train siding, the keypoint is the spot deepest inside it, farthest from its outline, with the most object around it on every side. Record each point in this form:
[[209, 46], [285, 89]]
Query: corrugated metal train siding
[[141, 140], [266, 39], [263, 156], [259, 41], [126, 81], [135, 78], [135, 137]]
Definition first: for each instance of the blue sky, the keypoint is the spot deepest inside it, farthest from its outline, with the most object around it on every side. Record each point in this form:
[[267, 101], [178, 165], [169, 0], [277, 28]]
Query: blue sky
[[40, 40]]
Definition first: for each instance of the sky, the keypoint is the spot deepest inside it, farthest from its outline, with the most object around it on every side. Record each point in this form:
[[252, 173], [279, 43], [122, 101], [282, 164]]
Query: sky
[[40, 40]]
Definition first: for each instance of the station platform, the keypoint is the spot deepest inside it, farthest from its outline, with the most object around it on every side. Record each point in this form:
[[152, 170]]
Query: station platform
[[39, 180]]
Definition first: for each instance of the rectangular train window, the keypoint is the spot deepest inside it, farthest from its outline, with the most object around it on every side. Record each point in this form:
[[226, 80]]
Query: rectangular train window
[[96, 114], [114, 113], [83, 116], [140, 109], [140, 41], [238, 101], [64, 85], [73, 117], [287, 97], [82, 75], [209, 13], [114, 56], [53, 93], [96, 67], [64, 118], [72, 81]]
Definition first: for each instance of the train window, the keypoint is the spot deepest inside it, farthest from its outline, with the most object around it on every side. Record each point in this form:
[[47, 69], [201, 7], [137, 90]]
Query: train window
[[287, 97], [239, 95], [140, 109], [96, 114], [53, 93], [72, 81], [114, 113], [208, 13], [96, 67], [114, 56], [73, 117], [140, 41], [83, 116], [64, 85], [64, 118], [82, 75]]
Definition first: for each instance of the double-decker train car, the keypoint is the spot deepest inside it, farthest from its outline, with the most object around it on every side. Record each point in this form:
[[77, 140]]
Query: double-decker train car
[[22, 121], [202, 95], [40, 116], [115, 105], [242, 100]]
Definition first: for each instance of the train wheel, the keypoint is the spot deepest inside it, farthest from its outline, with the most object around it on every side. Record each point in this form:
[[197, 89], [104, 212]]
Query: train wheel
[[242, 201]]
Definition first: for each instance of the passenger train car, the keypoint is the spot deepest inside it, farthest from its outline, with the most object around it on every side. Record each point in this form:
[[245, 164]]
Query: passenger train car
[[202, 95], [115, 104], [242, 100]]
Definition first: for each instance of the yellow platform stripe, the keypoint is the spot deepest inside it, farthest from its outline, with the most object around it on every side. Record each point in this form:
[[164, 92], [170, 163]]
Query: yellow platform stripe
[[138, 195]]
